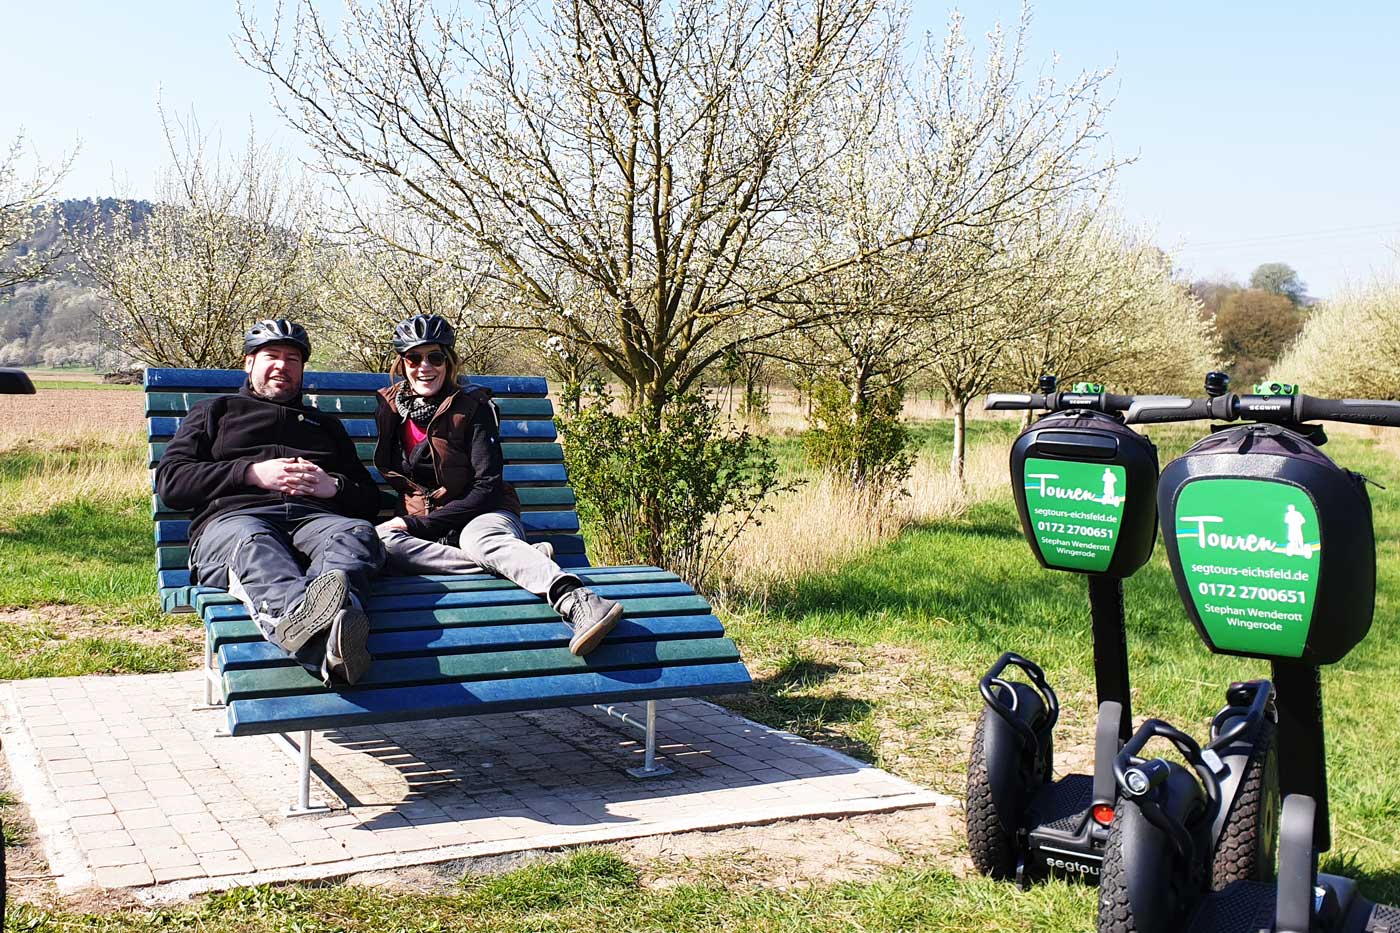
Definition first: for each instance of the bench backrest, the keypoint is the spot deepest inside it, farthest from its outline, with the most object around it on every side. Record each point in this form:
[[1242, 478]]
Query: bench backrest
[[534, 460]]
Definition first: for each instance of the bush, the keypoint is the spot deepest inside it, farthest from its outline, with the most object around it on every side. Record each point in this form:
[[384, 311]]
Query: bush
[[865, 444], [675, 495]]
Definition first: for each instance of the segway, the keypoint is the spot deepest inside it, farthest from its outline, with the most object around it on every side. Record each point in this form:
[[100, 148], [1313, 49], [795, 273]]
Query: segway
[[1272, 548], [1084, 485]]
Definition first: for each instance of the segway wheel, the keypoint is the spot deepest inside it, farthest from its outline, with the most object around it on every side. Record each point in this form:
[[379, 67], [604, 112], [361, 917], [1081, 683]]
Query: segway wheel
[[992, 844], [992, 816], [1158, 906], [1248, 845]]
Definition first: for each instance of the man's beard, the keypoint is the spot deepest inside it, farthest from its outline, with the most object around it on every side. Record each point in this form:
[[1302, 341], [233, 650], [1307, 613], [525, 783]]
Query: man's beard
[[263, 390]]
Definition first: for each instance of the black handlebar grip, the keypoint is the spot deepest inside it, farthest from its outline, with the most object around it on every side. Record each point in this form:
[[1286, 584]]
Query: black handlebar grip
[[1161, 409], [1353, 410], [1015, 401]]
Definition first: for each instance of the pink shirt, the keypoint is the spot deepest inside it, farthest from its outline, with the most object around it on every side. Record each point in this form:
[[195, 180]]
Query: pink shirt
[[412, 435]]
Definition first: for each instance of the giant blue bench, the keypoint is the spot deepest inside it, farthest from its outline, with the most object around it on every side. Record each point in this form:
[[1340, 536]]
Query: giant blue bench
[[444, 646]]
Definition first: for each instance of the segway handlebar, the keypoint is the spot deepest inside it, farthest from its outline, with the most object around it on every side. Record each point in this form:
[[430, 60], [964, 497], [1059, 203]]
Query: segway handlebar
[[1269, 409], [1058, 401]]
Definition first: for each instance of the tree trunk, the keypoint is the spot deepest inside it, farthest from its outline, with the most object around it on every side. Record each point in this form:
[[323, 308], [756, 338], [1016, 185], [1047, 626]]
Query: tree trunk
[[959, 438], [860, 378]]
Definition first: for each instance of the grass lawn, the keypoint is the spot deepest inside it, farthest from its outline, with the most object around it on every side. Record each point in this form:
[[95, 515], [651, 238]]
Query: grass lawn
[[878, 657]]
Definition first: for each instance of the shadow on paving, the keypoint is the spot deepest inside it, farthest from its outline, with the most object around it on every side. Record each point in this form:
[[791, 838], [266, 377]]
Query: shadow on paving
[[552, 767]]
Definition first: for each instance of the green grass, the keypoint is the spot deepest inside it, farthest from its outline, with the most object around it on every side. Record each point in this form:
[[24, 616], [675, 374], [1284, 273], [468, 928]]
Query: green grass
[[593, 890], [878, 658], [86, 565], [960, 593]]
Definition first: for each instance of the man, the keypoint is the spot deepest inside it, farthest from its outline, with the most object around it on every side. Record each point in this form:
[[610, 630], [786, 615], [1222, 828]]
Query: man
[[282, 507]]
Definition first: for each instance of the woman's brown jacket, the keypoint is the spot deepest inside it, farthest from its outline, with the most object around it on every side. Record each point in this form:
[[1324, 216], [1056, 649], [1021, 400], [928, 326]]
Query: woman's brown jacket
[[456, 473]]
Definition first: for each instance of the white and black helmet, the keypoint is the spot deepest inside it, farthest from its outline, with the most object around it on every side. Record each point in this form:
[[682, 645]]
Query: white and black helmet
[[277, 330], [421, 329]]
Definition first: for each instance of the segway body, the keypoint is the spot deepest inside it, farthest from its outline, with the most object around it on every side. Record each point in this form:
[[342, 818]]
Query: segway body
[[1085, 492]]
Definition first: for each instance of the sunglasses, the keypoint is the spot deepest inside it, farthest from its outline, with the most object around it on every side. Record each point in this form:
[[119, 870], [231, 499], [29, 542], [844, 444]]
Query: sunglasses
[[434, 358]]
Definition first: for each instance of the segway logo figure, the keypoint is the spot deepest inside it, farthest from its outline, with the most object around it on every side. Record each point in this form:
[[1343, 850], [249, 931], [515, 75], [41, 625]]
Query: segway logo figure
[[1110, 482], [1296, 546]]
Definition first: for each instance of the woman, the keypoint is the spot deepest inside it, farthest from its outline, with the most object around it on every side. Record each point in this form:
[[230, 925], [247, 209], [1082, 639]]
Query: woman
[[439, 447]]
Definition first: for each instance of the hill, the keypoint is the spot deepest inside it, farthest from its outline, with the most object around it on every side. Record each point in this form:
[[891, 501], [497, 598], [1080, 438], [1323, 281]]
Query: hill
[[52, 322]]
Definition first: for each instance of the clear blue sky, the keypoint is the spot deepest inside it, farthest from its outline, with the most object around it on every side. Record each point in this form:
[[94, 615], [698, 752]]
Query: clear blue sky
[[1262, 131]]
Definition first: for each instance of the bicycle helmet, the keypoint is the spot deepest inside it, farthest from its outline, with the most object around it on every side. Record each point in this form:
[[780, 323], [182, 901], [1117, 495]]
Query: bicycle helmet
[[277, 330], [421, 329]]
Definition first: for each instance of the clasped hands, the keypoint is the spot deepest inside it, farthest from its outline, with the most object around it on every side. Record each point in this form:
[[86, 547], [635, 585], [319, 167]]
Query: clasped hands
[[292, 476]]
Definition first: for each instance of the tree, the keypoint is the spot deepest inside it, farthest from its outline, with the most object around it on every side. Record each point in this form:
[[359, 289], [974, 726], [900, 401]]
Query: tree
[[1349, 347], [220, 248], [650, 150], [1278, 278], [1115, 314], [662, 152], [1255, 328], [1211, 293], [25, 209], [368, 285]]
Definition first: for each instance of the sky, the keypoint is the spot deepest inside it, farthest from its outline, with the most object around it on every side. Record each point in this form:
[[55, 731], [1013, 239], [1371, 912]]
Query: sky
[[1260, 132]]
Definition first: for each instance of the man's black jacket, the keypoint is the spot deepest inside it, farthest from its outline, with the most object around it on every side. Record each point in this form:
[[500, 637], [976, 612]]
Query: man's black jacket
[[204, 465]]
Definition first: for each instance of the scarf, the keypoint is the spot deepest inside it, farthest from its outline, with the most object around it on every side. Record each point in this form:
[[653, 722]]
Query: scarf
[[419, 408]]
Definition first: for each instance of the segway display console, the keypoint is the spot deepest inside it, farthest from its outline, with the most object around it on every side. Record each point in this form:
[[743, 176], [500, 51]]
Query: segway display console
[[1085, 489], [1266, 537]]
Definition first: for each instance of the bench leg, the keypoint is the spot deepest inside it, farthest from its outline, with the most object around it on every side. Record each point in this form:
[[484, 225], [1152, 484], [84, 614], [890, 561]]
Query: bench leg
[[211, 677], [302, 806], [649, 767]]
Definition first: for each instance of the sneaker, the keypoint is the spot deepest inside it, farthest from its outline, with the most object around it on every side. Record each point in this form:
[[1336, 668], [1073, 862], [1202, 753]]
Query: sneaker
[[323, 598], [545, 548], [590, 616], [347, 659]]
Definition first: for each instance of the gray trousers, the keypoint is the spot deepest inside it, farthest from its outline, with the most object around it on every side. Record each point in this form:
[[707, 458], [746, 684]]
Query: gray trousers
[[494, 543], [265, 556]]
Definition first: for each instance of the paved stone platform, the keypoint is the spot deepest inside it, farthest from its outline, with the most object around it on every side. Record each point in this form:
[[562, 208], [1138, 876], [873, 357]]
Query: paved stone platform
[[132, 788]]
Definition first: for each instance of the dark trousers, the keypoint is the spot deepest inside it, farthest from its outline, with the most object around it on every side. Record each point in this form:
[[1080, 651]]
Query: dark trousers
[[267, 555]]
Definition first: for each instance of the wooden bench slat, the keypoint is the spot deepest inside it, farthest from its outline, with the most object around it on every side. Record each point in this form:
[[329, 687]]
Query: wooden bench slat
[[502, 596], [352, 707], [175, 404], [183, 597], [177, 556], [169, 533], [488, 665], [247, 655], [227, 631], [427, 594], [517, 451], [316, 382], [164, 428], [392, 584]]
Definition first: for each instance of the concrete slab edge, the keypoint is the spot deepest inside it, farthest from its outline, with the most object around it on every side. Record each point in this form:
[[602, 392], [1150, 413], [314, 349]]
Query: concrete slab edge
[[183, 890], [56, 836]]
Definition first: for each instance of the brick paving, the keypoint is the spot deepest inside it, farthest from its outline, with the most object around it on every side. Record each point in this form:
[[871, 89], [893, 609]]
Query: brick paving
[[130, 787]]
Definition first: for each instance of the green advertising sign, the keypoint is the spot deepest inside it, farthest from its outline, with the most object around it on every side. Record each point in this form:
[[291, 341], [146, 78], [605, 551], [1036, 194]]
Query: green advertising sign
[[1076, 511], [1249, 555]]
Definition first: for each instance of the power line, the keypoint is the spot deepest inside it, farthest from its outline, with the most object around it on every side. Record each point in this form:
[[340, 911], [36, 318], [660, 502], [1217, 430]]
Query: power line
[[1390, 227]]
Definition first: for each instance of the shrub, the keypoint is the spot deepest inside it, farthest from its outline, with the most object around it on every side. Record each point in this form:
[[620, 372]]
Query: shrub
[[863, 443], [675, 495]]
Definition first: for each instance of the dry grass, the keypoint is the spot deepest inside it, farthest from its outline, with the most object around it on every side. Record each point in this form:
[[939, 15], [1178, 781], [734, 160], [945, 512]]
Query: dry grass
[[787, 414], [70, 444], [823, 523]]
